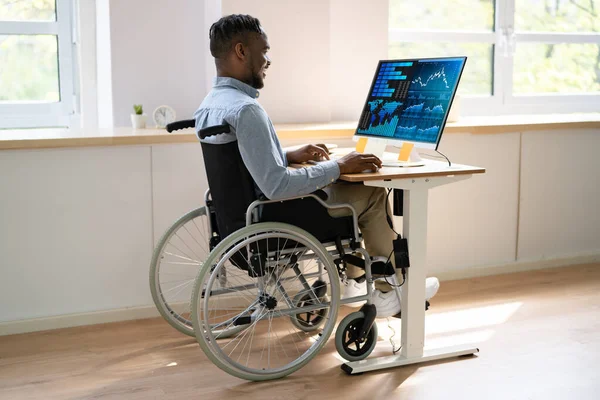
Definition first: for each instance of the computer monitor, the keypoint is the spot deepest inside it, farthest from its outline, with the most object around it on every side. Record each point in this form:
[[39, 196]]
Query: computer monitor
[[409, 100]]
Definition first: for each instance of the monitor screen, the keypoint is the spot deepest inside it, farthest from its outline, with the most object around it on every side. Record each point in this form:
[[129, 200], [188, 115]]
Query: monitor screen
[[409, 100]]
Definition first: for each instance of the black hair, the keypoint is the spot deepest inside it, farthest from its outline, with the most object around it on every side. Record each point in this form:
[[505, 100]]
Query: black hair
[[224, 31]]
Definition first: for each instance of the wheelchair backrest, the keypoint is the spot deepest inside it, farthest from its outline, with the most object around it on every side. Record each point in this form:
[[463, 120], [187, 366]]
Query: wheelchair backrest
[[233, 190], [231, 185]]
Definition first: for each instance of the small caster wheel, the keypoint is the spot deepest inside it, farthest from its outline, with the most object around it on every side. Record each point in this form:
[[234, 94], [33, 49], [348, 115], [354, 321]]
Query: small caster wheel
[[311, 320], [347, 342]]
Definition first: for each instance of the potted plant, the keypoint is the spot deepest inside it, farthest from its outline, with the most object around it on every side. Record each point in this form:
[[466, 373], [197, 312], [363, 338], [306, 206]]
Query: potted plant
[[138, 119]]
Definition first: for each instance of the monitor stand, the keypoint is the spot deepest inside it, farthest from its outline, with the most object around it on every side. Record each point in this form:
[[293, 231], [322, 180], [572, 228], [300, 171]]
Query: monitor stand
[[396, 163], [391, 159], [376, 146]]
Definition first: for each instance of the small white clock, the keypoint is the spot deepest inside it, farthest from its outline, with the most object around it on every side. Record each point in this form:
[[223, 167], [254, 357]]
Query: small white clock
[[163, 115]]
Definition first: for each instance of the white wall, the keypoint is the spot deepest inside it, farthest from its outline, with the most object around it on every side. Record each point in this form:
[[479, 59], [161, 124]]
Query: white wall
[[103, 70], [560, 194], [323, 52], [75, 230], [297, 84], [359, 39], [179, 183], [157, 54], [87, 62], [212, 12], [474, 222]]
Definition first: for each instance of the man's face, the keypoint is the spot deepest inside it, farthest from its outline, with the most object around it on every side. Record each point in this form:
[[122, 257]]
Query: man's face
[[258, 60]]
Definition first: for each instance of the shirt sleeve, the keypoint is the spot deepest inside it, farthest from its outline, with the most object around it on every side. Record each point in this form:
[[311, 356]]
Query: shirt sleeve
[[267, 164]]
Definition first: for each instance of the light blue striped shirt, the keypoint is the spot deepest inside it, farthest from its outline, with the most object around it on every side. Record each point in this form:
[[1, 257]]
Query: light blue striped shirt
[[234, 102]]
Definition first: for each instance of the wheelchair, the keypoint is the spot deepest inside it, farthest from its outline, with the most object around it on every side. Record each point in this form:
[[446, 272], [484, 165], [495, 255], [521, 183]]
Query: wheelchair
[[257, 281]]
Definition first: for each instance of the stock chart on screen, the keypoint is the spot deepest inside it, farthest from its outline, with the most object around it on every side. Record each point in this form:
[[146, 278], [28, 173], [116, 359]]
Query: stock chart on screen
[[409, 99]]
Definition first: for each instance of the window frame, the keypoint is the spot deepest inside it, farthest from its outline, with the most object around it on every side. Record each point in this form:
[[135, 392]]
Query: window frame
[[61, 113], [504, 40]]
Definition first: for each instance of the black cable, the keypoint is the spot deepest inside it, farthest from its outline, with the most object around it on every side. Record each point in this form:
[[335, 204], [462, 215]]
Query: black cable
[[447, 159], [387, 213], [391, 225], [403, 278], [431, 155]]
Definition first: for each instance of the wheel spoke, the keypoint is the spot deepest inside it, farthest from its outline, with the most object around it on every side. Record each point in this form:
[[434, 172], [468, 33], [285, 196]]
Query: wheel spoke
[[178, 255], [272, 340]]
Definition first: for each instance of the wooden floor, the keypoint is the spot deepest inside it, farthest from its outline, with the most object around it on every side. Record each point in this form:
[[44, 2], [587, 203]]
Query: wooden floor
[[538, 332]]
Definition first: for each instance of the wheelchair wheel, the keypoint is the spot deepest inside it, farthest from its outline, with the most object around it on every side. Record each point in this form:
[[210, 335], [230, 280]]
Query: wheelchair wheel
[[177, 258], [311, 320], [289, 264], [347, 342]]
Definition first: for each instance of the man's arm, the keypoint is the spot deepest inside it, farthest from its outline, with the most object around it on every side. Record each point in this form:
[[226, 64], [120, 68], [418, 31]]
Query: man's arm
[[262, 157], [308, 152]]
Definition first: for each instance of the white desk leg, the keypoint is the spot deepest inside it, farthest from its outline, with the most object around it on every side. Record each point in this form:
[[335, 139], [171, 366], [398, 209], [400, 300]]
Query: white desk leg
[[413, 294]]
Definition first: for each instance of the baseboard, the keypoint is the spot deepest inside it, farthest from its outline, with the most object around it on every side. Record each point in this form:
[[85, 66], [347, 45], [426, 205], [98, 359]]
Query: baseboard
[[80, 319], [124, 314], [517, 266]]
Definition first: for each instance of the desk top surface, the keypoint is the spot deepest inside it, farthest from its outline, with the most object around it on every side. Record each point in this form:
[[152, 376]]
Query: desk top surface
[[430, 169]]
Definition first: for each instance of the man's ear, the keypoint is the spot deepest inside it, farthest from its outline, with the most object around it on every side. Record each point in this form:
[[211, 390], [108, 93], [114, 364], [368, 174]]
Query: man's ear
[[240, 51]]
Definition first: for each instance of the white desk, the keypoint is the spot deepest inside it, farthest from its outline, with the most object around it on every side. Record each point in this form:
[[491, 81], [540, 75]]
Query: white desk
[[416, 183]]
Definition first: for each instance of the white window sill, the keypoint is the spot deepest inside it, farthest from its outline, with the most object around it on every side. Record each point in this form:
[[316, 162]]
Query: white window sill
[[63, 138]]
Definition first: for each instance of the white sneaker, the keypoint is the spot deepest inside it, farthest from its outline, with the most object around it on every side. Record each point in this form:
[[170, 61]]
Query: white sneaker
[[388, 304], [353, 288]]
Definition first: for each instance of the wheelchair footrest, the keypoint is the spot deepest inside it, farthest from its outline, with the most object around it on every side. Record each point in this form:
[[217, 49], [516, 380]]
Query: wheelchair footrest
[[382, 268], [354, 260], [377, 267]]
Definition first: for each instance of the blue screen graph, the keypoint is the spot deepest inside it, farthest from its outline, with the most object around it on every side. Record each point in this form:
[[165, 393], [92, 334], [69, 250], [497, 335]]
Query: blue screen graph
[[409, 99]]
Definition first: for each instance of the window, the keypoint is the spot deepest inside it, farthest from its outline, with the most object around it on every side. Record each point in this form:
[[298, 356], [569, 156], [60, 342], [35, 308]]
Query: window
[[533, 56], [36, 63]]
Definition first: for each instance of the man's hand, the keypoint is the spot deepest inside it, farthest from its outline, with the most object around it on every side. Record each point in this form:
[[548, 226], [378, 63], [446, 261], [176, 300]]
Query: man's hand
[[306, 153], [357, 162]]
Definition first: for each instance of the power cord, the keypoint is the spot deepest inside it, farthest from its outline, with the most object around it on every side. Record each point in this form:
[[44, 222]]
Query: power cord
[[430, 155], [387, 213], [391, 225], [394, 350], [403, 278], [437, 151]]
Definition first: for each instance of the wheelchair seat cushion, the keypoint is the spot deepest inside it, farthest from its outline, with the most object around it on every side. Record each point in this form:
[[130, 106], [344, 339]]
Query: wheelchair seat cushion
[[308, 214]]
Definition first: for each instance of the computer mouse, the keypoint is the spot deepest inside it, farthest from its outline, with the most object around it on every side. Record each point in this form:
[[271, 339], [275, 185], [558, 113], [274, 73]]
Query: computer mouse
[[368, 171]]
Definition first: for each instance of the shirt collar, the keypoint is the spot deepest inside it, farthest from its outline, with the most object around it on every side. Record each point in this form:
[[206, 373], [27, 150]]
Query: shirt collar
[[220, 81]]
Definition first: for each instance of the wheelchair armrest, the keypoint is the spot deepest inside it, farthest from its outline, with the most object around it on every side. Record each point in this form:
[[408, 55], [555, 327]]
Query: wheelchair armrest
[[319, 193], [320, 196]]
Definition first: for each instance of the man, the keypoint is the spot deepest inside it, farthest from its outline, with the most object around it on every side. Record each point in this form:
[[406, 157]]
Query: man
[[240, 46]]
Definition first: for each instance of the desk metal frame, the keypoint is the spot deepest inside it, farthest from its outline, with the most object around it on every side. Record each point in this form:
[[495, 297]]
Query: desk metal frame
[[416, 193]]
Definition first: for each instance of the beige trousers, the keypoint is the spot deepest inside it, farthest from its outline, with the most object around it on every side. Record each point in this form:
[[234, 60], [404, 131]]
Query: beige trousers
[[370, 204]]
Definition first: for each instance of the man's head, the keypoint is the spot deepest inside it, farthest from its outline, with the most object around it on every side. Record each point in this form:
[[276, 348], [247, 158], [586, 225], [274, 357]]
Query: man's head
[[239, 46]]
